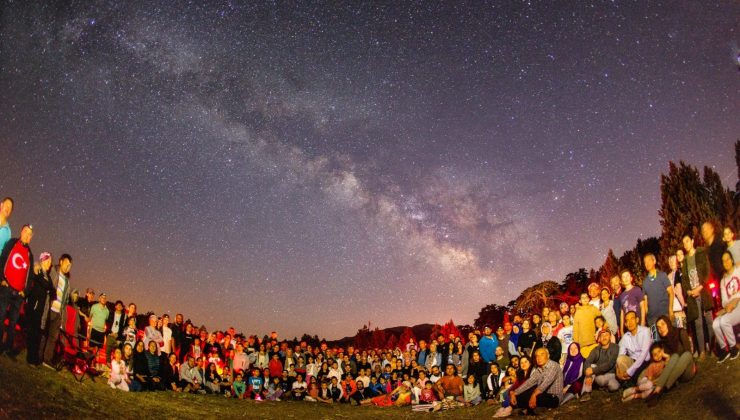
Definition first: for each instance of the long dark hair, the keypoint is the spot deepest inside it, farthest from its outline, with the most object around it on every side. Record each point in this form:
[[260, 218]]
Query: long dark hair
[[521, 373], [672, 339]]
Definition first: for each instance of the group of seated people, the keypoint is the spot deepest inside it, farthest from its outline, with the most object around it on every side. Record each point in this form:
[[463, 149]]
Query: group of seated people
[[542, 360], [642, 339]]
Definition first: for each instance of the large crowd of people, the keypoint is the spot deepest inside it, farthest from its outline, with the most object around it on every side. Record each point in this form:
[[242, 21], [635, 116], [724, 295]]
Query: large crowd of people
[[640, 336]]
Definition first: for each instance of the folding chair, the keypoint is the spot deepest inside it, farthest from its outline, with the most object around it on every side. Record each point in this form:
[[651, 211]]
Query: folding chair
[[75, 357]]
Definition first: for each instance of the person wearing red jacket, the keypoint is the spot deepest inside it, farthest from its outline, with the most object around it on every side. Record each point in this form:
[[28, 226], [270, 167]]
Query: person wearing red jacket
[[16, 262], [275, 365]]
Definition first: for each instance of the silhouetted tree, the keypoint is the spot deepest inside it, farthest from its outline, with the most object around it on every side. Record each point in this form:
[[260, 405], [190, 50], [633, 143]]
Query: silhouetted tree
[[609, 269], [492, 314]]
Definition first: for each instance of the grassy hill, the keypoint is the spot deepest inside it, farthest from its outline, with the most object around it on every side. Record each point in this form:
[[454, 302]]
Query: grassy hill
[[27, 392]]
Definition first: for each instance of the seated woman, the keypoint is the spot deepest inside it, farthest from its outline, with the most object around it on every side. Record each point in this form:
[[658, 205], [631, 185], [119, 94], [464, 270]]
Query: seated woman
[[729, 316], [119, 378], [572, 373], [677, 347], [213, 379], [471, 391], [519, 377], [170, 373], [141, 367]]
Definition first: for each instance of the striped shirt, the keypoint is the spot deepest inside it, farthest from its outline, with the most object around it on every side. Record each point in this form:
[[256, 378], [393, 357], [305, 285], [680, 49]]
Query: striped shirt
[[56, 306]]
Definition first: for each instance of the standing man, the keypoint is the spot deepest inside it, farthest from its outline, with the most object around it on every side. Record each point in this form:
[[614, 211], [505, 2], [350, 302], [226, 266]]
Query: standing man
[[99, 313], [60, 276], [616, 285], [487, 345], [658, 294], [715, 248], [584, 328], [115, 335], [631, 299], [16, 262], [694, 278], [178, 330], [6, 209]]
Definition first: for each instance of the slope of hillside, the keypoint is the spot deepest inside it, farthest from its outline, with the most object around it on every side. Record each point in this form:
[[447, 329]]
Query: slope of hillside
[[27, 392]]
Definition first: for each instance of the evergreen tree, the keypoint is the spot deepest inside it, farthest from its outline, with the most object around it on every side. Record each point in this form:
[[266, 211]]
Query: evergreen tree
[[575, 283], [392, 342], [406, 336], [719, 196], [492, 314], [436, 331], [379, 338], [609, 269], [450, 328], [363, 337], [685, 203]]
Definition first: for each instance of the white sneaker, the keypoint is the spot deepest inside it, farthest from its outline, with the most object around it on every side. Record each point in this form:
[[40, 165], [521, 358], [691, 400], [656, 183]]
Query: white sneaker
[[503, 412]]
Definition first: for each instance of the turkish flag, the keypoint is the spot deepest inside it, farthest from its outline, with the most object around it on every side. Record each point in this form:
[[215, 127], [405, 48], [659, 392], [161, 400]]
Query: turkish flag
[[17, 266]]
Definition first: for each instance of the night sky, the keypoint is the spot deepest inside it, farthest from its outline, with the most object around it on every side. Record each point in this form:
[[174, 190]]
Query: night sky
[[307, 168]]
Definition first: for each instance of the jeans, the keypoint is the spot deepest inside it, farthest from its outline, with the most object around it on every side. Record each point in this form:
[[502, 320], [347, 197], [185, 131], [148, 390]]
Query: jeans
[[703, 318], [52, 327], [10, 303], [33, 334]]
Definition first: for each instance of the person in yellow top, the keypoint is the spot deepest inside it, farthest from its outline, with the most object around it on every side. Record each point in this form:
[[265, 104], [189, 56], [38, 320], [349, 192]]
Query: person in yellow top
[[584, 328]]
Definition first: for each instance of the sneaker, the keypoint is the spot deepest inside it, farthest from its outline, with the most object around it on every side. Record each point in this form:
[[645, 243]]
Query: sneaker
[[46, 365], [503, 412], [568, 396], [734, 353], [586, 397], [724, 356]]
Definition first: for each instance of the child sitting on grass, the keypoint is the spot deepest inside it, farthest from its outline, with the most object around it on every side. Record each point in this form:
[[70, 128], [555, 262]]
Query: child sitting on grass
[[239, 387], [645, 385]]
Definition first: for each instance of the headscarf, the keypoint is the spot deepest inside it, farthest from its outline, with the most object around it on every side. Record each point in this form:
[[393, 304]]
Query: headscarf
[[514, 336], [546, 338], [572, 369]]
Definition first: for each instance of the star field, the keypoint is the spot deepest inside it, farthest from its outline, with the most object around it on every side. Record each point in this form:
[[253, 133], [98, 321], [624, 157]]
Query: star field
[[309, 167]]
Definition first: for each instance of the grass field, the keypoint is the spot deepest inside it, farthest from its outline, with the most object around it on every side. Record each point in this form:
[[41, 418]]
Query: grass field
[[27, 392]]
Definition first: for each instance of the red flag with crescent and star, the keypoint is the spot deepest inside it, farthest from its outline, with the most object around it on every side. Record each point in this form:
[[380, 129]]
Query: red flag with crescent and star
[[17, 266]]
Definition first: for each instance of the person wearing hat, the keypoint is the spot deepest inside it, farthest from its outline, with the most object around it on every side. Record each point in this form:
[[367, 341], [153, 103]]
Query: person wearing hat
[[488, 345], [16, 262], [37, 305]]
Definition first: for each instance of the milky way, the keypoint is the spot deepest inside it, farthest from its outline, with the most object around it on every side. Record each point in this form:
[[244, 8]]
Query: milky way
[[312, 167]]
